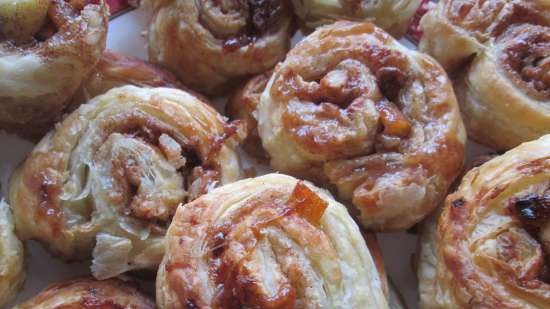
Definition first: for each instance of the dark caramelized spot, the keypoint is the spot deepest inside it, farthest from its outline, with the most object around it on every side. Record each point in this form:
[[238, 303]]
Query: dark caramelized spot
[[458, 203], [391, 80], [218, 245], [533, 210], [262, 15], [190, 304]]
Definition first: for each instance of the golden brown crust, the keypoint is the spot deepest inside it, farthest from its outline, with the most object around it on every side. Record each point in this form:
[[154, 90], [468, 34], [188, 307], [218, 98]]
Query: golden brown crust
[[39, 76], [243, 105], [499, 51], [267, 242], [111, 175], [212, 46], [393, 16], [376, 120], [116, 70], [491, 243], [90, 294]]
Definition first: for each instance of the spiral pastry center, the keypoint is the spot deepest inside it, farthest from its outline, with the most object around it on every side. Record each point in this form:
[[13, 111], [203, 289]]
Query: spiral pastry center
[[150, 168], [522, 246], [239, 22], [355, 105], [526, 58]]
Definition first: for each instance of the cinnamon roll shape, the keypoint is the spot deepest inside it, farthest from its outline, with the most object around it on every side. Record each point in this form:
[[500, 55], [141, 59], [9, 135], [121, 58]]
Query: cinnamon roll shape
[[267, 242], [491, 244], [108, 179], [47, 49], [88, 293], [12, 270], [212, 45], [393, 16], [377, 121], [499, 51]]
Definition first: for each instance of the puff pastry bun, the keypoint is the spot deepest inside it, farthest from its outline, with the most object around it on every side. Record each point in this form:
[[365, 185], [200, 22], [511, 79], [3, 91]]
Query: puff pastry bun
[[48, 49], [12, 271], [110, 176], [393, 16], [267, 242], [90, 294], [376, 120], [500, 53], [211, 45], [116, 70], [491, 244]]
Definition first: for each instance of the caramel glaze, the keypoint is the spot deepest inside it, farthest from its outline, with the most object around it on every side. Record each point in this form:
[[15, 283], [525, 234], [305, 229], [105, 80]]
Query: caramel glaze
[[200, 172], [529, 212], [99, 156], [268, 242], [87, 293], [230, 244], [525, 58], [413, 127]]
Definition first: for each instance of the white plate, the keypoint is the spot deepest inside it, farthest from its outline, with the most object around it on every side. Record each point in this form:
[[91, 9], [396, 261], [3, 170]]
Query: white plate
[[126, 35]]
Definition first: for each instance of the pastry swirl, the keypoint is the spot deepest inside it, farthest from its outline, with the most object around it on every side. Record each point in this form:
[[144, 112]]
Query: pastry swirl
[[372, 118], [12, 271], [213, 45], [42, 67], [491, 244], [393, 16], [499, 51], [110, 176], [90, 294], [267, 242]]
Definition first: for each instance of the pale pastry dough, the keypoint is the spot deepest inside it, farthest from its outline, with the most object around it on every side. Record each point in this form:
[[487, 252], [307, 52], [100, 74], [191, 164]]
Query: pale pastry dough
[[108, 179], [90, 294], [490, 246], [212, 45], [267, 242], [39, 74], [393, 16], [377, 121], [499, 52], [12, 270]]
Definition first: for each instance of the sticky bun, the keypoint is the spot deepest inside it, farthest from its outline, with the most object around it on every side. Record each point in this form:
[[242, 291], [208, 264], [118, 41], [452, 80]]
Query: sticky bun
[[90, 294], [47, 49], [375, 120], [108, 179], [267, 242], [489, 248], [499, 53], [393, 16], [212, 45]]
